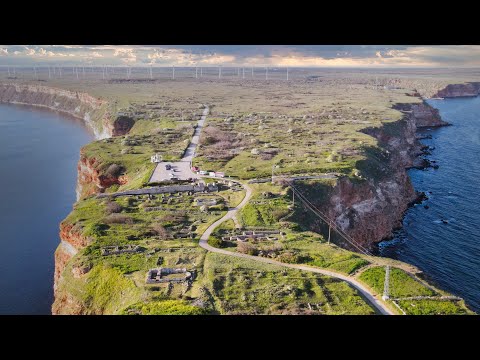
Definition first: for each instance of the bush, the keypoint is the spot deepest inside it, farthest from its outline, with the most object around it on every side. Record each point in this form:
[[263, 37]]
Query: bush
[[215, 242], [289, 258], [113, 207], [114, 170], [118, 219], [246, 248], [160, 231]]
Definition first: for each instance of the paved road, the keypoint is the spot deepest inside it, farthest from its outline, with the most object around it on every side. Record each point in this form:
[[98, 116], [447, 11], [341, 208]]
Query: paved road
[[371, 298], [182, 169]]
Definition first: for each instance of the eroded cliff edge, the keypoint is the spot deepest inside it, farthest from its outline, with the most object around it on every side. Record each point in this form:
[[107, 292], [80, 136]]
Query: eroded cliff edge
[[370, 206]]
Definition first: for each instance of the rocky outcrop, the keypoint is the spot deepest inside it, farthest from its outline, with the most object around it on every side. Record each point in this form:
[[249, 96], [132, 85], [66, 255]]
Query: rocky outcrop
[[459, 90], [93, 111], [426, 116], [80, 105], [91, 180], [369, 210], [121, 125]]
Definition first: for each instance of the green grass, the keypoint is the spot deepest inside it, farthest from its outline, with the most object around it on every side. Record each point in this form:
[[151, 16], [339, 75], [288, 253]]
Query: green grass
[[375, 278], [166, 307], [403, 285], [433, 307], [107, 291], [242, 286]]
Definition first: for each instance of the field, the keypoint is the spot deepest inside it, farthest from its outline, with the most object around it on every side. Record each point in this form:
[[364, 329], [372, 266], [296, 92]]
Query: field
[[313, 124]]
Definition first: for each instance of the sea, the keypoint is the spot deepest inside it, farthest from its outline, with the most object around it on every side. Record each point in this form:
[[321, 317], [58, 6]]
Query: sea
[[39, 150], [441, 236]]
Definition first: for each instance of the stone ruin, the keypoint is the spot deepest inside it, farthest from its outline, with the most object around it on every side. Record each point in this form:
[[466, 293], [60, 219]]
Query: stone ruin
[[116, 250], [254, 234], [168, 275]]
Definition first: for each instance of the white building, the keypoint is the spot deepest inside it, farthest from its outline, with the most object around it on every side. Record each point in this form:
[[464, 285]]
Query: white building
[[156, 158]]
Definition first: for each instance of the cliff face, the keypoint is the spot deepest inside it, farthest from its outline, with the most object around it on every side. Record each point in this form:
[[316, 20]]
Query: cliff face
[[459, 90], [90, 180], [80, 105], [369, 210]]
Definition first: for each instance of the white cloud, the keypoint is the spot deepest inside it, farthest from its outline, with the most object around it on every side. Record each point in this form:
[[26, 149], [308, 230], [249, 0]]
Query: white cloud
[[3, 51]]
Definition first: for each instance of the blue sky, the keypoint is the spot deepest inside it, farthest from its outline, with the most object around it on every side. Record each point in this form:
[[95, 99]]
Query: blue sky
[[244, 55]]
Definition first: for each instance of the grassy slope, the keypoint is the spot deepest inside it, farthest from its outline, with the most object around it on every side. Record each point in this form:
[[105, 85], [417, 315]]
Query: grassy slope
[[328, 140]]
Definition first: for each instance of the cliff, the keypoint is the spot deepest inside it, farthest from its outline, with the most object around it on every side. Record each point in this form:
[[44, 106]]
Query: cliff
[[91, 110], [459, 90], [370, 209], [91, 179]]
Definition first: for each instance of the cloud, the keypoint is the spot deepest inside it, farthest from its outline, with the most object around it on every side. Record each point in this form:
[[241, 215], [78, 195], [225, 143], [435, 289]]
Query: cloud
[[246, 55]]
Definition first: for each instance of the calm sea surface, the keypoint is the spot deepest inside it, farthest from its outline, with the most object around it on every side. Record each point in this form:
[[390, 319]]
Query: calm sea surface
[[448, 253], [39, 151]]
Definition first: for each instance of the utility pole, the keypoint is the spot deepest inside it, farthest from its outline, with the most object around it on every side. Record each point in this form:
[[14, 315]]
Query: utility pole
[[219, 71], [287, 73], [201, 72], [196, 72], [329, 231], [266, 73], [293, 196], [386, 285], [243, 73], [151, 75], [49, 73], [35, 71], [173, 72], [252, 72], [238, 72]]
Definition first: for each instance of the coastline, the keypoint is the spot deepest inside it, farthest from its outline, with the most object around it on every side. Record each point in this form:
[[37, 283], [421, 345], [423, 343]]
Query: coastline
[[68, 248]]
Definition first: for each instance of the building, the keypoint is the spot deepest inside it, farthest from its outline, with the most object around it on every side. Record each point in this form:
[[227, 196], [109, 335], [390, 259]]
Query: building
[[219, 174], [195, 169], [156, 158]]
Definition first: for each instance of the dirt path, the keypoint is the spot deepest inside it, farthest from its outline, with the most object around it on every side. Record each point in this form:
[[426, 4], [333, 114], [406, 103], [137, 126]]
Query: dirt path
[[371, 298]]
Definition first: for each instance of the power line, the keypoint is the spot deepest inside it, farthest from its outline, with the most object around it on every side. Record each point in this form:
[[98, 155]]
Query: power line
[[328, 221]]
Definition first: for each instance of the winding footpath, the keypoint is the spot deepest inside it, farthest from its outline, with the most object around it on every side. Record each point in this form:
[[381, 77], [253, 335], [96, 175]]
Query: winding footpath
[[231, 214]]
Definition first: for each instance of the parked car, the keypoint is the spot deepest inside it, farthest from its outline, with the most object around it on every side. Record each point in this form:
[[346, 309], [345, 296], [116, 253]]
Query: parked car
[[168, 167]]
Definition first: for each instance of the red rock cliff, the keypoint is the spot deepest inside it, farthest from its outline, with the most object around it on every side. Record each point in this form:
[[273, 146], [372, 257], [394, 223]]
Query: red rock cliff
[[91, 180], [370, 210]]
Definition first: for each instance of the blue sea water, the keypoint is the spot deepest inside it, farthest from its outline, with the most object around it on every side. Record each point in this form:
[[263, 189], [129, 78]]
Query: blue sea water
[[448, 253], [39, 151]]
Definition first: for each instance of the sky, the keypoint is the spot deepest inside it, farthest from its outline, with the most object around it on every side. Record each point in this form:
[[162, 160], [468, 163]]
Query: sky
[[243, 55]]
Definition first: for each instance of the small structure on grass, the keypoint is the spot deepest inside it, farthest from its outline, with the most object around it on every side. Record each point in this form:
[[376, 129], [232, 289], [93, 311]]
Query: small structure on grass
[[168, 275], [116, 250]]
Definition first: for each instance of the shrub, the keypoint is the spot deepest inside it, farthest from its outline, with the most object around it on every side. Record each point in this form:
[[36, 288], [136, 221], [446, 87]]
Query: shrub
[[113, 207], [246, 248], [114, 170], [215, 242], [118, 219], [289, 257], [160, 231]]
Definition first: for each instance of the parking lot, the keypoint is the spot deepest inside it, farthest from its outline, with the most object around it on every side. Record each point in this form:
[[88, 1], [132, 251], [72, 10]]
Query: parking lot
[[179, 169]]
